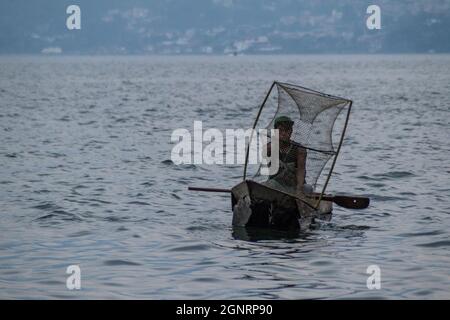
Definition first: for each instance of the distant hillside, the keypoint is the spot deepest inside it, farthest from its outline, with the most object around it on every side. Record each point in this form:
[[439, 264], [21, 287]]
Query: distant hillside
[[223, 27]]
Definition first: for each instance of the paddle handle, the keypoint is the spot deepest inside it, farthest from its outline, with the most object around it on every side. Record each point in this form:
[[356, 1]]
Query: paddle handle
[[228, 190], [209, 189]]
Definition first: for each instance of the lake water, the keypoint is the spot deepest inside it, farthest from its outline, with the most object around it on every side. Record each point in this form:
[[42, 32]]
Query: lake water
[[86, 179]]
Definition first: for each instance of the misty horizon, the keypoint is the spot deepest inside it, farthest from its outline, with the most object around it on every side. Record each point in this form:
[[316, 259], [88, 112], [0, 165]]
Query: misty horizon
[[223, 27]]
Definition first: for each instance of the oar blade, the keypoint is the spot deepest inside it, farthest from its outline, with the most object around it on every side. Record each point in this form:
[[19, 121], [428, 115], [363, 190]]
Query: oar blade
[[351, 202]]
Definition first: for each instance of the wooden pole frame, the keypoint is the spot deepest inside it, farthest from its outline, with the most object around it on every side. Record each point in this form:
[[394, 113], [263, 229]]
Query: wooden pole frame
[[335, 157], [254, 126]]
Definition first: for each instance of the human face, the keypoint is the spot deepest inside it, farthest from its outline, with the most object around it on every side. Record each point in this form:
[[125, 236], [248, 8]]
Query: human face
[[285, 132]]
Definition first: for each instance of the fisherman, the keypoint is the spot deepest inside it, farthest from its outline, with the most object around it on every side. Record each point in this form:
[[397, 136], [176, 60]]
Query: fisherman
[[292, 158]]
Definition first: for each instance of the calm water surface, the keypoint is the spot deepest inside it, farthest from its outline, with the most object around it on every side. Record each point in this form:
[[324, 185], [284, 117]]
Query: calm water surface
[[86, 179]]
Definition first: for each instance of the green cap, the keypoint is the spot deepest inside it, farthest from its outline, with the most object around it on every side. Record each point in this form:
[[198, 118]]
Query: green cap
[[283, 119]]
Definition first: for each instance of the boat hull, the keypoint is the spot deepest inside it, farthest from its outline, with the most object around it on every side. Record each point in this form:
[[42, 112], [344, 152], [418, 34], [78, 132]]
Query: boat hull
[[256, 205]]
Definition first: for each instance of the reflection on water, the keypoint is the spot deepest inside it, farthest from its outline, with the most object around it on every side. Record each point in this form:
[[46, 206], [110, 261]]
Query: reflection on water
[[256, 234], [261, 234], [86, 179]]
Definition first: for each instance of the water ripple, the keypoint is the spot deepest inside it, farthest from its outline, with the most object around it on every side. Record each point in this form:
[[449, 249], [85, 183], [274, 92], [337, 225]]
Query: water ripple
[[87, 179]]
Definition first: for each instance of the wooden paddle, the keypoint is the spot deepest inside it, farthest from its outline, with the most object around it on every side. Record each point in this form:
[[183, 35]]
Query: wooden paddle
[[349, 202]]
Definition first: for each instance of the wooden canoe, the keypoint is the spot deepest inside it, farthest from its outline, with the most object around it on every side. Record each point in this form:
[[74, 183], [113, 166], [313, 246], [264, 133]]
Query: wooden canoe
[[257, 205]]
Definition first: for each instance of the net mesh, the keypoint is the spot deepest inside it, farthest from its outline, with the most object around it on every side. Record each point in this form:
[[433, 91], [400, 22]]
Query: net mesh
[[310, 144]]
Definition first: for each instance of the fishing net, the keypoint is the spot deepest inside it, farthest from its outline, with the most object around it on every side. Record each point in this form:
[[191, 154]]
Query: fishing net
[[311, 115]]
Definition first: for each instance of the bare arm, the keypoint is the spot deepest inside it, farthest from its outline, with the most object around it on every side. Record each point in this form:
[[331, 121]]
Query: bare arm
[[301, 170]]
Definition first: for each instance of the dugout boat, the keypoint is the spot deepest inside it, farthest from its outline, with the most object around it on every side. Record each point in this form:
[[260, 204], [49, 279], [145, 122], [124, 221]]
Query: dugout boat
[[259, 206], [305, 120]]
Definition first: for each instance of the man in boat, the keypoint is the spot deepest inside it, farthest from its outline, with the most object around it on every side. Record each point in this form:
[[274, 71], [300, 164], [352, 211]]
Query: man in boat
[[292, 158]]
